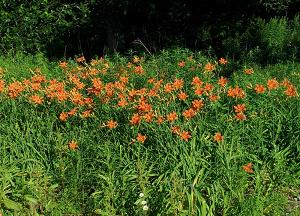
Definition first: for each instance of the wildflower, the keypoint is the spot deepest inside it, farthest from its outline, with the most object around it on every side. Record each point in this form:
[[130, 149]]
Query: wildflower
[[160, 120], [222, 61], [249, 71], [139, 70], [248, 168], [145, 208], [189, 113], [63, 116], [239, 108], [124, 79], [197, 81], [222, 81], [144, 202], [272, 84], [240, 116], [2, 85], [136, 59], [209, 67], [178, 83], [135, 119], [86, 113], [172, 117], [185, 135], [199, 91], [208, 87], [168, 88], [259, 89], [181, 64], [122, 103], [73, 145], [182, 96], [14, 89], [291, 91], [213, 97], [175, 129], [36, 99], [141, 138], [148, 117], [218, 137], [111, 124], [80, 59], [141, 195], [236, 92], [72, 112], [285, 83], [197, 104]]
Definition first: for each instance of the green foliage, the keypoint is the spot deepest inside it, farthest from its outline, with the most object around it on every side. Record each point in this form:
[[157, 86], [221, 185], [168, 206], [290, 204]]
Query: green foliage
[[33, 26], [110, 175]]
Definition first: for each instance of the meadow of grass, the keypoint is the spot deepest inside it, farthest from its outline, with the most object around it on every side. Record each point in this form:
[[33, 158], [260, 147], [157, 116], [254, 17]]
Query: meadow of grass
[[173, 134]]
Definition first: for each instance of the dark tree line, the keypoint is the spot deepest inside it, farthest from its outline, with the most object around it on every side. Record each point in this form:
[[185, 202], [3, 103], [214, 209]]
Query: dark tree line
[[93, 27]]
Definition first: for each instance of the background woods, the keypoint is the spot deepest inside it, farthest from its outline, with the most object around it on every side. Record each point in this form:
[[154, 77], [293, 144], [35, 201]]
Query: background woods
[[238, 29]]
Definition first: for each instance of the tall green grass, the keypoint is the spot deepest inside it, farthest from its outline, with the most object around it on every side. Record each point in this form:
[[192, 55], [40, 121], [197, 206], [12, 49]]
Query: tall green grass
[[106, 175]]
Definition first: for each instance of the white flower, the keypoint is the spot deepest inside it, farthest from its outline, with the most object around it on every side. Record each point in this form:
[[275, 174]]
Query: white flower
[[144, 202], [145, 208], [141, 195]]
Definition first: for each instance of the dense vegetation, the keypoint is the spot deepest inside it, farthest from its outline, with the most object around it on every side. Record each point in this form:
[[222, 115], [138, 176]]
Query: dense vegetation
[[172, 134], [131, 107]]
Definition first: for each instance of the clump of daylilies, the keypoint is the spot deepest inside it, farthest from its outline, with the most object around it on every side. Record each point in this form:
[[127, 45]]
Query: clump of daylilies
[[88, 87]]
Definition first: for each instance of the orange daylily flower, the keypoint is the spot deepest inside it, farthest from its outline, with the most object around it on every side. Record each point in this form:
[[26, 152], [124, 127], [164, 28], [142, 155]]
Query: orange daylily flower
[[73, 145], [218, 137], [141, 138], [148, 117], [249, 71], [72, 112], [2, 85], [259, 89], [139, 70], [214, 97], [160, 120], [222, 61], [14, 89], [240, 116], [185, 135], [291, 91], [63, 64], [168, 88], [181, 64], [182, 96], [222, 81], [272, 84], [208, 87], [80, 59], [189, 113], [175, 129], [172, 116], [197, 81], [86, 113], [36, 99], [135, 119], [236, 92], [239, 108], [209, 67], [248, 168], [199, 91], [197, 104], [178, 84], [111, 124], [63, 116]]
